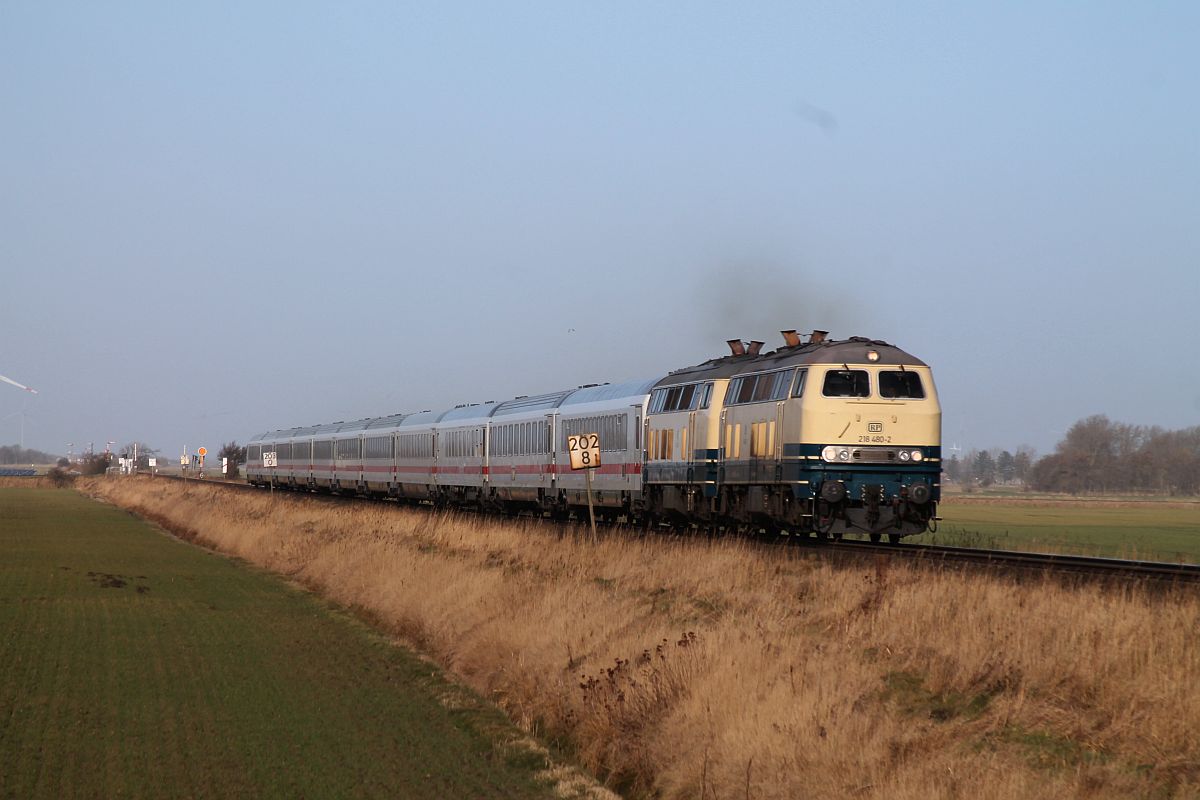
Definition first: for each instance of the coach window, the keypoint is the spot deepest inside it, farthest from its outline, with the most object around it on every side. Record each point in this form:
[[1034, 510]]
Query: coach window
[[901, 384], [846, 383], [705, 394]]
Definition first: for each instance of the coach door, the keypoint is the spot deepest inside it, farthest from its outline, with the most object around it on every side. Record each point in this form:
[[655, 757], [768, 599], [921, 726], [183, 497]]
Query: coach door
[[549, 459]]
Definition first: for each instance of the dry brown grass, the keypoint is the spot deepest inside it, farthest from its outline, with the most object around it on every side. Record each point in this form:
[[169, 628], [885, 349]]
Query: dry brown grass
[[718, 669]]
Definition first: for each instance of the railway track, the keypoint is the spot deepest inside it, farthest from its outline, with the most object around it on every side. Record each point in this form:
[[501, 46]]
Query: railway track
[[1025, 561], [930, 554]]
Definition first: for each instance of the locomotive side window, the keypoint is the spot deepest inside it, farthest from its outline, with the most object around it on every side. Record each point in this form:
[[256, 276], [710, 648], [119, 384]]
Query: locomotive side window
[[799, 392], [742, 389], [760, 388], [846, 383], [903, 385], [680, 398]]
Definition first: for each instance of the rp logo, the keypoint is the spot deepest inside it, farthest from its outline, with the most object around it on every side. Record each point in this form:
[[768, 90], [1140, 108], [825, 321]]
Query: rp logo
[[874, 427]]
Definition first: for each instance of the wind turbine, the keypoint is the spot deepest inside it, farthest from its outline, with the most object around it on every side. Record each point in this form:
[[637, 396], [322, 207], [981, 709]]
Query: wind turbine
[[18, 385], [22, 411]]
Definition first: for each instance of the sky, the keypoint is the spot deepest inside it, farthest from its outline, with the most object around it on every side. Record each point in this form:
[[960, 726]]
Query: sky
[[219, 219]]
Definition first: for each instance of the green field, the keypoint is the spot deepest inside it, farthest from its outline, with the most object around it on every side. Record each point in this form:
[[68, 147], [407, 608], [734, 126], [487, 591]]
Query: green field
[[1144, 530], [134, 665]]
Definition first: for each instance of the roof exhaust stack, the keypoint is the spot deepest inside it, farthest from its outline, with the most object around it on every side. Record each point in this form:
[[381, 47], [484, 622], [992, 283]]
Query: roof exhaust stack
[[817, 336], [791, 338], [736, 347], [754, 348]]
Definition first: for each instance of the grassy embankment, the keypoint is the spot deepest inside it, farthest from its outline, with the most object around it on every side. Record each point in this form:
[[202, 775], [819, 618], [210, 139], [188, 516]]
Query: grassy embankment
[[693, 668], [1161, 530], [134, 665]]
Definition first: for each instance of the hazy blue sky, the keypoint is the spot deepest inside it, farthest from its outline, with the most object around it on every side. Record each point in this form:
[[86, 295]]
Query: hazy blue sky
[[219, 219]]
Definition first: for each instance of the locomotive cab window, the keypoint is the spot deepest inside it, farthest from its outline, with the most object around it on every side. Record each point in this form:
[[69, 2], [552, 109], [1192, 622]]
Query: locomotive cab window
[[846, 383], [900, 385]]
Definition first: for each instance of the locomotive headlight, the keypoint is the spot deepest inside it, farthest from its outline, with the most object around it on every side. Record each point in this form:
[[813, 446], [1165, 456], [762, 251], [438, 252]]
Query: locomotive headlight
[[872, 355], [904, 455], [832, 453], [917, 455]]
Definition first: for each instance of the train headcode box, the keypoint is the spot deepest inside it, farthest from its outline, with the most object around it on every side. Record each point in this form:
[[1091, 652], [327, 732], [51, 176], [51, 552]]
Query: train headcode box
[[584, 450]]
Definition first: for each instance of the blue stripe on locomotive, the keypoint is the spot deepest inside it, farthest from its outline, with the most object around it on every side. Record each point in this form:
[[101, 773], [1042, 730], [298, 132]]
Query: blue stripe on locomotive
[[803, 468]]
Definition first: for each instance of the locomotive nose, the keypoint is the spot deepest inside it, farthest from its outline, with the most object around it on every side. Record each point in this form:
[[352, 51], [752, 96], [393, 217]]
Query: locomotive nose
[[919, 493]]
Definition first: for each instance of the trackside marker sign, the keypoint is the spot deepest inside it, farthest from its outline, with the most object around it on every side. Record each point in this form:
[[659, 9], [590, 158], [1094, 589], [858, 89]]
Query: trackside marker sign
[[584, 450]]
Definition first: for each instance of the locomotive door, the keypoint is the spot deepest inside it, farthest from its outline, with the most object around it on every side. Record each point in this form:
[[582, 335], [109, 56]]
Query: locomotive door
[[722, 448], [689, 446], [777, 444]]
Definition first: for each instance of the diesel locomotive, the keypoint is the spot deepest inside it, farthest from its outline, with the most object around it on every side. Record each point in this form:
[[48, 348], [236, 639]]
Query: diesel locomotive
[[819, 437]]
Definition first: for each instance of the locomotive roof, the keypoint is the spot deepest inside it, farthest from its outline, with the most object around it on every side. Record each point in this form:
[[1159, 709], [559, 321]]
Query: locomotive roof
[[830, 351]]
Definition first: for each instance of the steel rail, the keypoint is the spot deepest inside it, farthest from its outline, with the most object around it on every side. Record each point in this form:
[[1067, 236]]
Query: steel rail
[[1018, 559]]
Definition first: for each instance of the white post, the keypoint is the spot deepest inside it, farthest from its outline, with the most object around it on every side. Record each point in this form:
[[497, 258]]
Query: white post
[[591, 511]]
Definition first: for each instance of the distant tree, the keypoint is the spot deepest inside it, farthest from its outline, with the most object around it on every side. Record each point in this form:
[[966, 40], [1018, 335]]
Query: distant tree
[[15, 454], [236, 455], [62, 463], [1006, 467], [1098, 455], [1023, 462], [59, 476], [954, 469], [95, 463], [985, 468], [144, 453]]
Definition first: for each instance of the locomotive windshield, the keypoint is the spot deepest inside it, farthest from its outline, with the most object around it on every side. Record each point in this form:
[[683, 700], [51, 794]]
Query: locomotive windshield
[[900, 385], [847, 383]]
